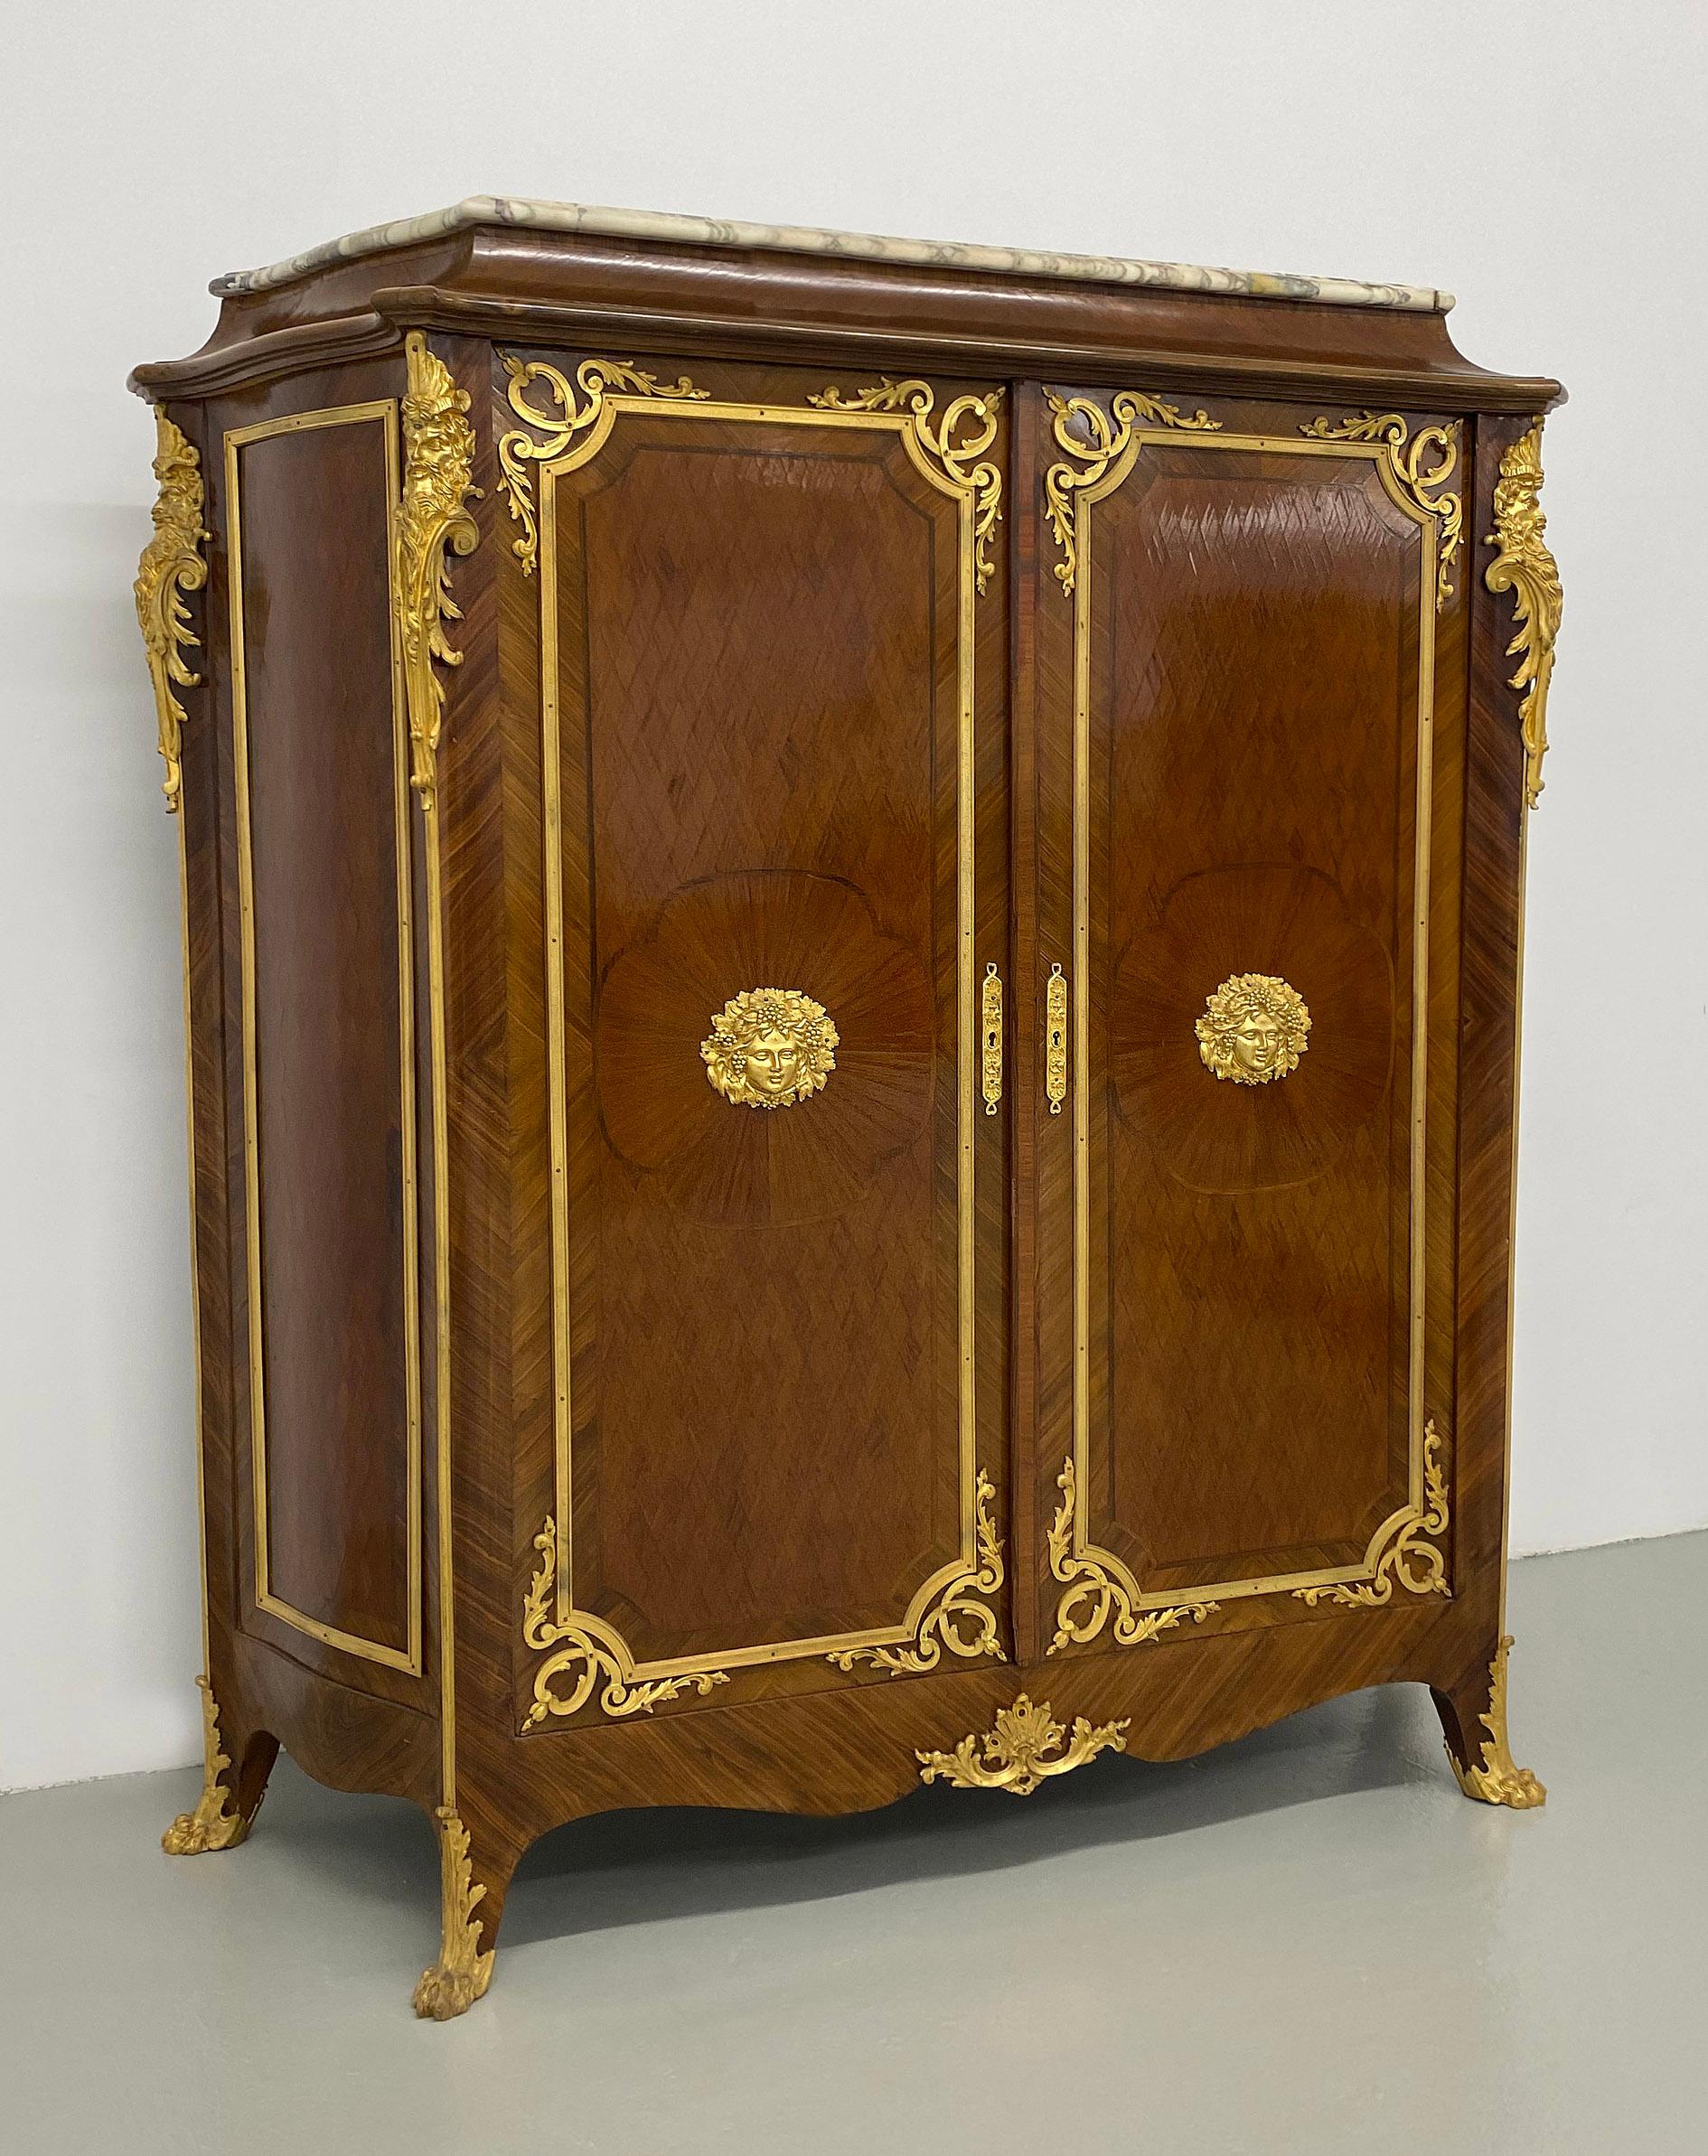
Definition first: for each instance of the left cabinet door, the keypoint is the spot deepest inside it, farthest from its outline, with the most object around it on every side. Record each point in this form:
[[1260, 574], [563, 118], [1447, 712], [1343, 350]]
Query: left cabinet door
[[770, 709]]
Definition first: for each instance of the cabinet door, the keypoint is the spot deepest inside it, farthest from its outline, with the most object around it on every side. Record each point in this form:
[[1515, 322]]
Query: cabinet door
[[771, 713], [1258, 641]]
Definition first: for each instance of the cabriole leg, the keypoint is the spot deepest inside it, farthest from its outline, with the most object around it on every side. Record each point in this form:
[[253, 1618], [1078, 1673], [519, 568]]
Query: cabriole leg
[[226, 1809], [1473, 1718], [472, 1886]]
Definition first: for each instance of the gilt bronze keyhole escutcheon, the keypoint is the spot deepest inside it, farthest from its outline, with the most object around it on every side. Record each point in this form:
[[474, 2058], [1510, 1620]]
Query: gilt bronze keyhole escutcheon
[[1254, 1029], [769, 1048]]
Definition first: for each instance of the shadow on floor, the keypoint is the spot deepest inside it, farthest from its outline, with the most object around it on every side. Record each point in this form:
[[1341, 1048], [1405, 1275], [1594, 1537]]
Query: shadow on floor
[[640, 1867]]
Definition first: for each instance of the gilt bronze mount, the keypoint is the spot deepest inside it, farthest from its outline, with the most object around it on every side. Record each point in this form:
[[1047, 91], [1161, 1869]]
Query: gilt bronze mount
[[769, 1048], [1254, 1029]]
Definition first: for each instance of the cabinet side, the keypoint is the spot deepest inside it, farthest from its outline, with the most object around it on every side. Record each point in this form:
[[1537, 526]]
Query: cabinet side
[[326, 1146]]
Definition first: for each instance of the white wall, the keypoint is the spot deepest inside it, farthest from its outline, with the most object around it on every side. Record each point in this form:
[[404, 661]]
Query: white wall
[[1544, 161]]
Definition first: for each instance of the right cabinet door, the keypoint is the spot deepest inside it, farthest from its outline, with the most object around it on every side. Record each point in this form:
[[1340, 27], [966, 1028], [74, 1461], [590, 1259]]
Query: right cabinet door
[[1255, 638]]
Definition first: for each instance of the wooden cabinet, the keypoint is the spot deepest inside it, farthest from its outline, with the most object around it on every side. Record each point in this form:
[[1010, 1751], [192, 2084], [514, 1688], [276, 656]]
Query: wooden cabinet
[[852, 922]]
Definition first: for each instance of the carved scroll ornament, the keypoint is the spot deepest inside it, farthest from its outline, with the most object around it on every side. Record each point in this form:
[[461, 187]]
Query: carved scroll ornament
[[172, 564], [433, 521], [1027, 1747], [1526, 568]]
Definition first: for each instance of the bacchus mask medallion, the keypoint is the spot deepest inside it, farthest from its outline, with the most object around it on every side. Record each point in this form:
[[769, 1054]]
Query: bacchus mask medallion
[[1254, 1029], [770, 1047]]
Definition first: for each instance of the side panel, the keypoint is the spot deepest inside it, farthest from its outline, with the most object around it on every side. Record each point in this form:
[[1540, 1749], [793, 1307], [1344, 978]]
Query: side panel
[[328, 1031]]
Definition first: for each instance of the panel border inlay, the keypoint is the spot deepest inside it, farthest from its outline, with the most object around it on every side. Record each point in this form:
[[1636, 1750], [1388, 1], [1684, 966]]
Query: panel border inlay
[[1097, 460], [383, 411], [941, 1612]]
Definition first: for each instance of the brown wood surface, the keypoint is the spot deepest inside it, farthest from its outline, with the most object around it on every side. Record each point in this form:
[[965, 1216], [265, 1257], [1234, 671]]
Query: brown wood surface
[[321, 786], [746, 768], [212, 824], [269, 1681], [1492, 870], [758, 637], [1253, 744]]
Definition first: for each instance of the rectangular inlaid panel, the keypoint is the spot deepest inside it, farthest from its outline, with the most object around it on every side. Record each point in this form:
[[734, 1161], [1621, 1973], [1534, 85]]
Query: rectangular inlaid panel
[[759, 724], [328, 1022], [1256, 670]]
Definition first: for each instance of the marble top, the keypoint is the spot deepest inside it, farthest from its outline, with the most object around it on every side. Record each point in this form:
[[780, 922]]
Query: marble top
[[806, 240]]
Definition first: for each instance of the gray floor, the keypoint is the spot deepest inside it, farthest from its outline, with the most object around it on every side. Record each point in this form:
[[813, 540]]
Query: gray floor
[[1308, 1942]]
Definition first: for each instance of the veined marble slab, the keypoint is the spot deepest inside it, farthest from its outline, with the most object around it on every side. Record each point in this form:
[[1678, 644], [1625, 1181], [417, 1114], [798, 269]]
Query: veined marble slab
[[806, 239]]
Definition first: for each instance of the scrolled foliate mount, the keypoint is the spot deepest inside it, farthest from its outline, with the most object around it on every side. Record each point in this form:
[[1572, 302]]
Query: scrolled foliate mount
[[1097, 1588], [1027, 1747], [1421, 465], [432, 522], [1493, 1777], [956, 443], [574, 410], [959, 1617], [1526, 568], [584, 1654], [1412, 1554], [172, 564], [1090, 439]]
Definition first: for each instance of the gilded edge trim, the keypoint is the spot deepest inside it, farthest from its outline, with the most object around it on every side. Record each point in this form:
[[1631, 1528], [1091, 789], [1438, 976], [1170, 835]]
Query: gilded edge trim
[[384, 413], [172, 564], [1493, 1777], [216, 1823], [438, 448], [949, 454], [1419, 466], [1526, 568], [196, 1255], [1026, 1748], [1100, 453], [460, 1977], [1512, 1209]]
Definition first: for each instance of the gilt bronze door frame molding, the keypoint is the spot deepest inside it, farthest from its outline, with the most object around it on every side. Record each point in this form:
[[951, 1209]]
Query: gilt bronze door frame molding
[[1096, 451], [567, 418]]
